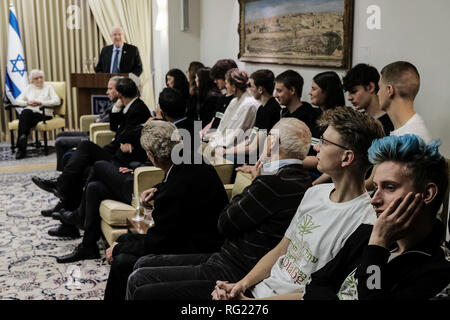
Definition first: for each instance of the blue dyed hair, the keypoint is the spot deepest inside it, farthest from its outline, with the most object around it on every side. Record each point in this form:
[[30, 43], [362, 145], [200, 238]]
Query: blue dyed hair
[[424, 161]]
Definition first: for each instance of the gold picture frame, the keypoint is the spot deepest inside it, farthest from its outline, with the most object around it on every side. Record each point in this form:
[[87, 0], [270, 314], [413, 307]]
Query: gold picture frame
[[297, 32]]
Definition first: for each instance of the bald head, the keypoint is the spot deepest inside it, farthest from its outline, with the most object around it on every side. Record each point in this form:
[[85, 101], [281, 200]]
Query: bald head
[[403, 77], [117, 36]]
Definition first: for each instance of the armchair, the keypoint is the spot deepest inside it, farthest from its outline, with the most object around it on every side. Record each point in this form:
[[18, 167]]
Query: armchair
[[86, 121], [242, 181], [57, 122]]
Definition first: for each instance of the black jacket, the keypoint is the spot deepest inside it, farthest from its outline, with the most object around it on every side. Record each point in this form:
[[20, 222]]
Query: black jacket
[[309, 115], [130, 61], [418, 273], [187, 207], [125, 126], [207, 109]]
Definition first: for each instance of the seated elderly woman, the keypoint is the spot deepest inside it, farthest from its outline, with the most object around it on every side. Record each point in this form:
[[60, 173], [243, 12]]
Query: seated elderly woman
[[37, 94]]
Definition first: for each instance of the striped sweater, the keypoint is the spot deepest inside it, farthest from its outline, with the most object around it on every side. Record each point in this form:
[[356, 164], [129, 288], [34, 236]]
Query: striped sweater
[[255, 221]]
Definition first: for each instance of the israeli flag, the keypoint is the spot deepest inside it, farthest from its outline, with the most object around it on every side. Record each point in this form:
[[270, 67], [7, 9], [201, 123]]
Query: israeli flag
[[16, 70]]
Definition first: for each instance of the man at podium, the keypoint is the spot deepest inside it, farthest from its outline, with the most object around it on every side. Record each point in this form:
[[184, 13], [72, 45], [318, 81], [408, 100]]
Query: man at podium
[[120, 57]]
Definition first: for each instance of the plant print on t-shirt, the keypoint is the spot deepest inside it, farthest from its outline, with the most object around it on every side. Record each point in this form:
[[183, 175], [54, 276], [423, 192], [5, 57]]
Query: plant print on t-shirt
[[298, 256]]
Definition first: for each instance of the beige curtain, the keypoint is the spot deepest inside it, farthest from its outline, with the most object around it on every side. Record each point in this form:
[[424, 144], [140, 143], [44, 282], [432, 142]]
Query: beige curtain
[[135, 17], [50, 45]]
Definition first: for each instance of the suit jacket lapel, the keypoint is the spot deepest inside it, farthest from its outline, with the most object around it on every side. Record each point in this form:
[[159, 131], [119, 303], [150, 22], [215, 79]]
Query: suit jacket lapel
[[109, 58], [124, 56]]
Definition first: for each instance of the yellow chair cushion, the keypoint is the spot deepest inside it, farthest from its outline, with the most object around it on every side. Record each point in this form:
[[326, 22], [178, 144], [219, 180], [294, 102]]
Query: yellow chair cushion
[[13, 125], [60, 89], [111, 233], [103, 138], [52, 124], [115, 213], [243, 180], [86, 121], [224, 171], [95, 127]]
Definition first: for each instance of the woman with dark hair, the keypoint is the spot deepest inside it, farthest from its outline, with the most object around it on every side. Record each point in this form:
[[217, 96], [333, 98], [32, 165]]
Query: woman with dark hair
[[202, 107], [176, 79], [327, 91], [194, 66]]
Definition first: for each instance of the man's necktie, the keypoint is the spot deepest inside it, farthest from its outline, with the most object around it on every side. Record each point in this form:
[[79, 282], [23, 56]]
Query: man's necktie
[[115, 68]]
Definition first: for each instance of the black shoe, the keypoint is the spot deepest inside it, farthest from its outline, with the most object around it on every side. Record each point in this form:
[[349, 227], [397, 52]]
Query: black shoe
[[21, 153], [71, 218], [65, 231], [80, 253], [46, 185], [48, 213], [22, 142], [57, 215]]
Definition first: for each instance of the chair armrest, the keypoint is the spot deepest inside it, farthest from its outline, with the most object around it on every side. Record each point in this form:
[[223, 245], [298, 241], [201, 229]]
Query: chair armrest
[[229, 190], [102, 138], [86, 121], [94, 127], [145, 178], [10, 107], [224, 170], [43, 107], [243, 180]]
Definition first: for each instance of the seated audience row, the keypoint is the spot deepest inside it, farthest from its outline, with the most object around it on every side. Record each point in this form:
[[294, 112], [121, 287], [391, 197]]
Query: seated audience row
[[289, 234]]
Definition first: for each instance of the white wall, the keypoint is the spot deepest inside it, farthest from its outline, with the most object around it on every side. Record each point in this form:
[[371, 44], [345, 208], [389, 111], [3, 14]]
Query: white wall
[[172, 47], [160, 50], [184, 46], [412, 30]]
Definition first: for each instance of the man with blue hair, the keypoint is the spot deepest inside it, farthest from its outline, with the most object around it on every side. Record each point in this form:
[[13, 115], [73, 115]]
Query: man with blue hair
[[400, 257]]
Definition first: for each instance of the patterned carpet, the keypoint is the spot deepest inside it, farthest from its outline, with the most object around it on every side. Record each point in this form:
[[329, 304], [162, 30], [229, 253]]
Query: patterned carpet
[[28, 268], [33, 155]]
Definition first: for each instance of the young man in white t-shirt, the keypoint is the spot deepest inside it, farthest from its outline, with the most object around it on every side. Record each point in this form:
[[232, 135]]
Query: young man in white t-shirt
[[399, 85], [326, 217]]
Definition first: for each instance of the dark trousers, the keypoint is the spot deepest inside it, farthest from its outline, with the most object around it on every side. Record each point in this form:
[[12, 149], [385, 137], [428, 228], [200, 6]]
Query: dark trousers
[[180, 277], [121, 268], [28, 120], [107, 183], [66, 141], [71, 181], [65, 159]]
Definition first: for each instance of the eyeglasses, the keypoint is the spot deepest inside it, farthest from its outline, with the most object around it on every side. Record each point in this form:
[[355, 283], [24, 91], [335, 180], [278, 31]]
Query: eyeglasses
[[322, 140]]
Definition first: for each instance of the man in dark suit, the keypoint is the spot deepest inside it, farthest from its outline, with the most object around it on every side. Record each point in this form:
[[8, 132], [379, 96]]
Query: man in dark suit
[[110, 181], [120, 57], [121, 151]]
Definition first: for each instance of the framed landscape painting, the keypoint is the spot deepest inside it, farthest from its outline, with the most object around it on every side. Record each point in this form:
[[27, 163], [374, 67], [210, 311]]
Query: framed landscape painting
[[297, 32]]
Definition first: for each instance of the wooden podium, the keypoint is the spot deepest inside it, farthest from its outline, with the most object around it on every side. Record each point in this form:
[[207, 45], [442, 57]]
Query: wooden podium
[[89, 84]]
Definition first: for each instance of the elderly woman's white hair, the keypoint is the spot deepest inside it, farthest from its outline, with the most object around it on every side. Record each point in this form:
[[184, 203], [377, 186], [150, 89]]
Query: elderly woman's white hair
[[35, 71], [295, 137], [160, 137]]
